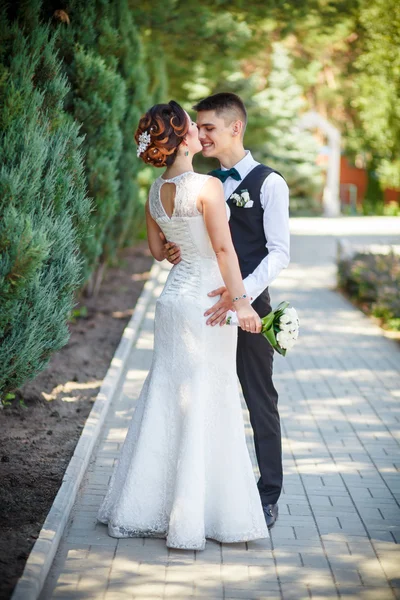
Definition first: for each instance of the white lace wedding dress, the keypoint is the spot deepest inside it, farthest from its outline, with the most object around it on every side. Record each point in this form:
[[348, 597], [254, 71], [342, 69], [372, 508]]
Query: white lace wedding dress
[[184, 473]]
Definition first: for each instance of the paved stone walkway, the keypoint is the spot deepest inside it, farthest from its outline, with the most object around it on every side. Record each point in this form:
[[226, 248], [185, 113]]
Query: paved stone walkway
[[339, 525]]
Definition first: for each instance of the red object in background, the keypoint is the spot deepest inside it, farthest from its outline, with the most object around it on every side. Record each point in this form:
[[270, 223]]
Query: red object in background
[[358, 177], [391, 195], [355, 176]]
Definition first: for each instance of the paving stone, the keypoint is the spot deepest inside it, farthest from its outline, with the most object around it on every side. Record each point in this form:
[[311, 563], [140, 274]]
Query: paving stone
[[92, 537], [186, 589], [67, 593], [288, 561], [251, 589], [233, 573], [362, 593], [260, 596], [200, 593], [346, 576], [299, 521], [117, 595], [282, 532], [306, 533], [315, 561], [300, 511]]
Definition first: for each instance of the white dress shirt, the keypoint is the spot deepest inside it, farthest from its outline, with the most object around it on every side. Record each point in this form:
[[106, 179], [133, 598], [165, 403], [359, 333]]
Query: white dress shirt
[[274, 197]]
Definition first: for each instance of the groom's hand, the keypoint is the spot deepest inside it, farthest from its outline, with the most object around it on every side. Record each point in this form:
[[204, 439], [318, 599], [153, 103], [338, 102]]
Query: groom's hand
[[217, 313], [171, 251]]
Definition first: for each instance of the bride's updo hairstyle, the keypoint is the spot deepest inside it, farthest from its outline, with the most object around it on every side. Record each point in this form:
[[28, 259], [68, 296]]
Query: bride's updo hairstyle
[[160, 132]]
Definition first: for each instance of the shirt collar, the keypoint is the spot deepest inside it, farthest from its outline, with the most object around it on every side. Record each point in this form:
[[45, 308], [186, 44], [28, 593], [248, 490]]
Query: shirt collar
[[243, 166]]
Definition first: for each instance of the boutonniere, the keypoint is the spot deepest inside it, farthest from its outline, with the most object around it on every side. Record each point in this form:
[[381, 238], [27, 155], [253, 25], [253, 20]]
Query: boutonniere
[[242, 199]]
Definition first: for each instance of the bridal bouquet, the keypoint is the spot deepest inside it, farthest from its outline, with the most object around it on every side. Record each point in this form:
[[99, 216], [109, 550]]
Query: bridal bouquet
[[280, 327]]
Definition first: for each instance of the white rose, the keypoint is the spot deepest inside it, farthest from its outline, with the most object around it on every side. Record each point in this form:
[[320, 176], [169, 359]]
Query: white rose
[[286, 327], [290, 344], [291, 312], [283, 339], [246, 196], [285, 319], [235, 197]]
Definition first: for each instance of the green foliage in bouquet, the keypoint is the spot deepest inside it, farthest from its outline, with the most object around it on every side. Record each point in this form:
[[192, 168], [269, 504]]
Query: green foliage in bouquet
[[373, 281], [281, 327], [44, 210], [270, 327]]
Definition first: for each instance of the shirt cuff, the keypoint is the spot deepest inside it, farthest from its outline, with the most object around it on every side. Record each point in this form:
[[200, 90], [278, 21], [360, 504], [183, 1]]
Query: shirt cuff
[[250, 287]]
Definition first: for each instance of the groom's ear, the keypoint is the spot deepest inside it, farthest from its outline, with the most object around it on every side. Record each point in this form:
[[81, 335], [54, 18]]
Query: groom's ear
[[237, 128]]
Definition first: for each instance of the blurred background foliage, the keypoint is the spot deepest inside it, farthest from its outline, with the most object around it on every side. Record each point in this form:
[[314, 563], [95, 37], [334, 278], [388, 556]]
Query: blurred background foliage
[[344, 58], [76, 76]]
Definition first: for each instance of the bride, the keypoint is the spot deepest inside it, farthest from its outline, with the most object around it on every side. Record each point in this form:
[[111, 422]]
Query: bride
[[184, 472]]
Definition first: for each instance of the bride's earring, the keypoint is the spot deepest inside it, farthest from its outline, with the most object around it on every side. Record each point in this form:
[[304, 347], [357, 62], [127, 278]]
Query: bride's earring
[[187, 153]]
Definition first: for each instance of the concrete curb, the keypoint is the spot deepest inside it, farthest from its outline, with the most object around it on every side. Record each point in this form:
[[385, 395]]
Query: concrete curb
[[42, 554]]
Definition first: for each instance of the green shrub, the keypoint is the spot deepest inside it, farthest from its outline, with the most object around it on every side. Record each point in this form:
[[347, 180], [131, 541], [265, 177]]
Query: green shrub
[[107, 70], [132, 66], [44, 210], [391, 209], [373, 280]]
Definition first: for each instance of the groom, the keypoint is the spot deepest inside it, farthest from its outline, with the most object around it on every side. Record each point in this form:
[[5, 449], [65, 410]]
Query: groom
[[260, 233]]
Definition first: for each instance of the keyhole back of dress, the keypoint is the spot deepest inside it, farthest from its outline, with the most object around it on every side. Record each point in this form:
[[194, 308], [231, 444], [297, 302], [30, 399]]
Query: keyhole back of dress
[[167, 198]]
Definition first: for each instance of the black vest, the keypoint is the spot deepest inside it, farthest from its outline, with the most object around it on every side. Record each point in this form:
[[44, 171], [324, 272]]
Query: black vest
[[246, 224]]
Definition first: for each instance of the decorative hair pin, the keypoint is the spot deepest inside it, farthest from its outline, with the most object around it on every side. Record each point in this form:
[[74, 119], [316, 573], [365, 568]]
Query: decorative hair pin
[[144, 142]]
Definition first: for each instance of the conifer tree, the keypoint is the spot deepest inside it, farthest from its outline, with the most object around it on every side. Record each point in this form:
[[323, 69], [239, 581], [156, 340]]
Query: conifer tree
[[97, 100], [275, 137], [133, 69], [44, 210], [104, 56], [99, 104]]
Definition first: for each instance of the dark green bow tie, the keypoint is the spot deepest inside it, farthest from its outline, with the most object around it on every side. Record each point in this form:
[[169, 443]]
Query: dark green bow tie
[[223, 174]]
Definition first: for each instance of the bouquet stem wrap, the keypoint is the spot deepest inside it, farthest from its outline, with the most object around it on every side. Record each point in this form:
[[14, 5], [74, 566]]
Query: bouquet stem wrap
[[270, 326]]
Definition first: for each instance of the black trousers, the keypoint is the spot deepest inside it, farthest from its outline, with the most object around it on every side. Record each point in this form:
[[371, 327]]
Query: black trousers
[[254, 368]]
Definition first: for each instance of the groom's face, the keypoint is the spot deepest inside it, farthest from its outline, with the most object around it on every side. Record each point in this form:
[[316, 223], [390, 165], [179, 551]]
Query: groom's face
[[215, 134]]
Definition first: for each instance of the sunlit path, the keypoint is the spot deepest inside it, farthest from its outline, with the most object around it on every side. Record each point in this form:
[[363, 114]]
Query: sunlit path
[[340, 413], [339, 526]]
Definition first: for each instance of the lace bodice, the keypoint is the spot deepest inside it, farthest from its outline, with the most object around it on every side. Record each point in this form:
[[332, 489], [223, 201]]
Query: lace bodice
[[186, 225], [188, 186]]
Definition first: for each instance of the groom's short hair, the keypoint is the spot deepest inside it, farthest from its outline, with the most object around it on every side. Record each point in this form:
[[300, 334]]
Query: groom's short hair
[[225, 104]]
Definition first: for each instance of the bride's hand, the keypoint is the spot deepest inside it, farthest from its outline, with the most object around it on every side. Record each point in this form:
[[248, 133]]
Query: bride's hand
[[170, 251], [247, 317]]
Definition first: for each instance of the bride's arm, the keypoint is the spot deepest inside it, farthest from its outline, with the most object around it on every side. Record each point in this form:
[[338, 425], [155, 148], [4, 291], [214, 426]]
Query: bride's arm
[[156, 245], [213, 207]]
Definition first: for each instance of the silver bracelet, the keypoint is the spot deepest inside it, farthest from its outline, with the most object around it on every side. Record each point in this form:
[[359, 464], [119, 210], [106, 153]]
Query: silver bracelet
[[239, 298]]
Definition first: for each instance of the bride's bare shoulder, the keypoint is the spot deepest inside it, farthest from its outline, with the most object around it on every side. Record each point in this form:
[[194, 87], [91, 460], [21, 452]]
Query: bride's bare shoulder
[[211, 187]]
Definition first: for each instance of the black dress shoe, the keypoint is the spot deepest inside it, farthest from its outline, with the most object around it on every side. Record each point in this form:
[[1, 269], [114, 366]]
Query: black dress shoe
[[271, 512]]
